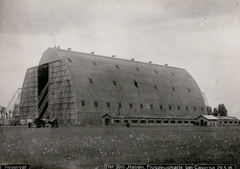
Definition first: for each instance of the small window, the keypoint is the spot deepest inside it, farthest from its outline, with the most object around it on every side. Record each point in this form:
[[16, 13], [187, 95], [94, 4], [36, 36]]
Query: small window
[[108, 104], [137, 69], [143, 121], [155, 87], [202, 108], [186, 108], [95, 64], [230, 122], [235, 122], [141, 106], [173, 122], [117, 66], [173, 88], [225, 122], [186, 122], [155, 71], [189, 90], [170, 107], [173, 74], [90, 80], [114, 83], [69, 59], [150, 121], [151, 106], [180, 122], [166, 121], [96, 104], [135, 83], [131, 105], [158, 121], [117, 121], [178, 107], [194, 108], [83, 103], [120, 105], [125, 121], [160, 107], [134, 121], [192, 122]]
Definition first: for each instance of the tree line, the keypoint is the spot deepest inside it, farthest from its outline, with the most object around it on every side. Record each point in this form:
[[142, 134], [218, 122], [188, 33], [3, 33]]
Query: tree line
[[219, 111]]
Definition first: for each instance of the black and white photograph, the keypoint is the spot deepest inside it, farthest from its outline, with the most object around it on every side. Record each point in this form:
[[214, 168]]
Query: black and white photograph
[[119, 84]]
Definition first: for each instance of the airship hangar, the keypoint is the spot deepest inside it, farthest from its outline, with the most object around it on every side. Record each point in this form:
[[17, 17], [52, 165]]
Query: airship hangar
[[89, 89]]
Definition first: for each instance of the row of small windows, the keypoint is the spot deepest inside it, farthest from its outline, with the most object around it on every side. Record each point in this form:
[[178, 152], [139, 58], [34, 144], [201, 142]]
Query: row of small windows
[[95, 64], [156, 121], [141, 106], [230, 122], [136, 85]]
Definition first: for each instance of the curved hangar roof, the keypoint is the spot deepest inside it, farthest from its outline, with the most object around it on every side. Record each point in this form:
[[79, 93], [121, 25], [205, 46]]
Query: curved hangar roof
[[140, 87]]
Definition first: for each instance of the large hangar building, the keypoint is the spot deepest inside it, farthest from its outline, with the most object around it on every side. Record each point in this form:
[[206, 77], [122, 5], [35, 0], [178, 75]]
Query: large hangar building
[[80, 88]]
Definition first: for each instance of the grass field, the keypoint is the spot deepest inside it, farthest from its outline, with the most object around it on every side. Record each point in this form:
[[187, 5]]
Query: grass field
[[90, 147]]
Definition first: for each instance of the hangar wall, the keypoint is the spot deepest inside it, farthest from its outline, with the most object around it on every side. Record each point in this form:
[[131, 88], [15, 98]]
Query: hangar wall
[[101, 85]]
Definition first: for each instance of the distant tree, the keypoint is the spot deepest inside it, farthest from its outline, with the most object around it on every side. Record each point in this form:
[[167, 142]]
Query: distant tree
[[222, 110], [209, 110], [215, 112]]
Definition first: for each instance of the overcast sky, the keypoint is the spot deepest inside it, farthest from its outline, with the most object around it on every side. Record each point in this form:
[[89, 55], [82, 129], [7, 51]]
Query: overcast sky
[[201, 36]]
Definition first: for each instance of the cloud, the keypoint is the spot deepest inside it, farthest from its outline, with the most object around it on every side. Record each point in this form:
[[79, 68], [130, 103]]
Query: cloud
[[47, 16]]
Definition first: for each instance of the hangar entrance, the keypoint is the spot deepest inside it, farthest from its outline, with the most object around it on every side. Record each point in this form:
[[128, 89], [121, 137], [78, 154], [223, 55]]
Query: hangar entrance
[[42, 88]]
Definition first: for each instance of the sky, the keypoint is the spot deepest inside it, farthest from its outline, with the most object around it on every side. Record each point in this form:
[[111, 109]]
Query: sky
[[201, 36]]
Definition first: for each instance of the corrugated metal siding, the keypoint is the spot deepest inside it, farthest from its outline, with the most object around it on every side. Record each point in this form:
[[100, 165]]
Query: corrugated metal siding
[[113, 82], [155, 87]]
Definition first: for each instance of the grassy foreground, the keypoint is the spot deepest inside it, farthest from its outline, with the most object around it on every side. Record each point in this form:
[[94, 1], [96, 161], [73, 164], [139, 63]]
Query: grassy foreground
[[72, 147]]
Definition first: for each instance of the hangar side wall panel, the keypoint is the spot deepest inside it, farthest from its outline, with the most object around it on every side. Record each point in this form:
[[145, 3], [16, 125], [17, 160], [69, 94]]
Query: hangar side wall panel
[[109, 81]]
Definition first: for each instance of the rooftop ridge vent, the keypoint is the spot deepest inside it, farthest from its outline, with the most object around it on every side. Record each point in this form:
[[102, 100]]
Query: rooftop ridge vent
[[92, 53], [166, 64], [69, 49], [150, 62], [132, 59], [113, 56]]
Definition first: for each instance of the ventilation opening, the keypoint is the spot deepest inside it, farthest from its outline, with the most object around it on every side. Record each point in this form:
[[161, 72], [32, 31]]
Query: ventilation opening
[[135, 83], [69, 59]]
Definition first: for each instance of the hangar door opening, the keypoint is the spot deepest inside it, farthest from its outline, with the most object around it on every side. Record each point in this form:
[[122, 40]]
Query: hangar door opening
[[43, 76]]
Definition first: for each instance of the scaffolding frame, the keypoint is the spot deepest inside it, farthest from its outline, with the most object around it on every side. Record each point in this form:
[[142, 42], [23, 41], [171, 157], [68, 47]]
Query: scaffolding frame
[[60, 95], [58, 85], [28, 102]]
